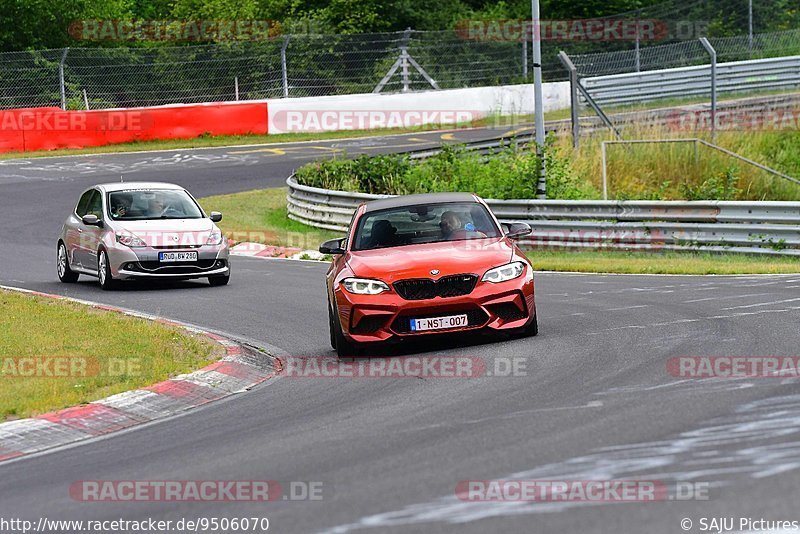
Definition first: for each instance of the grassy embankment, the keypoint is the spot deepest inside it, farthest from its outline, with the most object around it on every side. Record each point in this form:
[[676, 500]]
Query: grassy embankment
[[55, 354]]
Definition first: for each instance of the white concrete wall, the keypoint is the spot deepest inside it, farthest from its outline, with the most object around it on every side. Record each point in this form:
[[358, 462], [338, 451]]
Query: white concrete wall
[[351, 112]]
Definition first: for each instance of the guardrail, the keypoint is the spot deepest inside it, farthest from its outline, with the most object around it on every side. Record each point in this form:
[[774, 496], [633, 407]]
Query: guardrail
[[741, 227], [731, 114], [737, 76]]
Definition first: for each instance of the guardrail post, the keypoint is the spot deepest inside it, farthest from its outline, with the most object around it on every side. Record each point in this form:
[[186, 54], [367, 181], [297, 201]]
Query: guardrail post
[[573, 95], [284, 70], [713, 54], [61, 83]]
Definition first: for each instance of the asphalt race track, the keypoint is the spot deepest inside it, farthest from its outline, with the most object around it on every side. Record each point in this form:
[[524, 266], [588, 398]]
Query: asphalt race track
[[595, 401]]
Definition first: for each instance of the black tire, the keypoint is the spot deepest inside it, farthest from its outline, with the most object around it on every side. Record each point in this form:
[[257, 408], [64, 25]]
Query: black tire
[[107, 281], [65, 274], [531, 330], [331, 328], [217, 281], [344, 347]]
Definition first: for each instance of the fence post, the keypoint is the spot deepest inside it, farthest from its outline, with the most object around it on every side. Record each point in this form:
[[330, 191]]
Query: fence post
[[284, 72], [750, 27], [524, 59], [236, 87], [61, 79], [573, 95], [638, 38], [86, 100], [713, 54], [404, 57]]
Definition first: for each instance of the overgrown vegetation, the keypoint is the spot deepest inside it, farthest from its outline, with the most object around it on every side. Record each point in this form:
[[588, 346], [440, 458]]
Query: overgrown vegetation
[[659, 171], [509, 173], [681, 171]]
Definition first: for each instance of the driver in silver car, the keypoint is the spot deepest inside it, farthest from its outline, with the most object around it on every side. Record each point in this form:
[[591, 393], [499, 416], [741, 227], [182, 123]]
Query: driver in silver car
[[121, 206]]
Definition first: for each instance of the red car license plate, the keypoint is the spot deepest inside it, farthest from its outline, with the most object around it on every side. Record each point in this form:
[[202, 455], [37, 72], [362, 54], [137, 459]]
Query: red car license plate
[[439, 323]]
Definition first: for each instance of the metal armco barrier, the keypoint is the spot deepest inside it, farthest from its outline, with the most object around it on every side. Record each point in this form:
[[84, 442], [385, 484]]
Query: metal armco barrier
[[741, 227], [771, 111], [735, 77]]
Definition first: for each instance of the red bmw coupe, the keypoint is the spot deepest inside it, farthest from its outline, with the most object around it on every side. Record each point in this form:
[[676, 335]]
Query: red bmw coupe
[[417, 265]]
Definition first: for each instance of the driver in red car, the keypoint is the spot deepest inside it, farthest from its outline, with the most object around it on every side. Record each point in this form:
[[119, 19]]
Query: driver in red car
[[453, 228]]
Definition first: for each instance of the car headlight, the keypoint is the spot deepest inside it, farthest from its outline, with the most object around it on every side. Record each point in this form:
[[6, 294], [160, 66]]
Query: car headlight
[[130, 240], [364, 286], [214, 239], [504, 272]]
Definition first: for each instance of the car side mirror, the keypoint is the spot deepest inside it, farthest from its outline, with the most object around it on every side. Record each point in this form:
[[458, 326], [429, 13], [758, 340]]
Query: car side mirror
[[91, 220], [517, 230], [215, 216], [332, 246]]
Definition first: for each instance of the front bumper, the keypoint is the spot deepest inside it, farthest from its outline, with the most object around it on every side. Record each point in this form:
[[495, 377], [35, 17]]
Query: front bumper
[[373, 318], [127, 263]]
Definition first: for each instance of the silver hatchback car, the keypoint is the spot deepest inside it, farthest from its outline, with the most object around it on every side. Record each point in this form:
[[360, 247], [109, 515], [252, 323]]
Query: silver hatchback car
[[129, 231]]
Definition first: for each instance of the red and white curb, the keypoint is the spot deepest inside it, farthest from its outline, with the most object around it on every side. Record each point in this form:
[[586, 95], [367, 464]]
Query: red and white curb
[[259, 250], [242, 368]]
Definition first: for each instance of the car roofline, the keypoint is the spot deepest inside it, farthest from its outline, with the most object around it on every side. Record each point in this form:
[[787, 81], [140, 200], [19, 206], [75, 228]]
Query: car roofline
[[419, 200]]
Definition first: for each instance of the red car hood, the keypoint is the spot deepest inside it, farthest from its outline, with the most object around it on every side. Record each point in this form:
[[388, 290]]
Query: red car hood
[[416, 261]]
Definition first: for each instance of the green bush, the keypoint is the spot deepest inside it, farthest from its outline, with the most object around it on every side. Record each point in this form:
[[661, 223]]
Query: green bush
[[720, 187], [508, 173]]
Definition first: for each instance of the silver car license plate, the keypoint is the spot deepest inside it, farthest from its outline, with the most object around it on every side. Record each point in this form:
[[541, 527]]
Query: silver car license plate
[[439, 323], [167, 257]]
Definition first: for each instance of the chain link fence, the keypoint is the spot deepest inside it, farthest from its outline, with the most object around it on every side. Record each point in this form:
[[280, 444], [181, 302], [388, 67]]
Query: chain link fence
[[150, 74], [291, 66], [688, 53]]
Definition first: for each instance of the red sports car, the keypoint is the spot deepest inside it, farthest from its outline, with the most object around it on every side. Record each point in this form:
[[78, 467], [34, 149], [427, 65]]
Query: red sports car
[[417, 265]]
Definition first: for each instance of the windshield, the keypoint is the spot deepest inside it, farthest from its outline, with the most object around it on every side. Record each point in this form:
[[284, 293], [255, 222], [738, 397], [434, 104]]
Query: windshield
[[142, 204], [425, 223]]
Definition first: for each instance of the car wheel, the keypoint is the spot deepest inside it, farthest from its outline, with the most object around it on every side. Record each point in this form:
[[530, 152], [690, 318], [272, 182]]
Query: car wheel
[[216, 281], [331, 328], [344, 347], [65, 274], [531, 330], [107, 281]]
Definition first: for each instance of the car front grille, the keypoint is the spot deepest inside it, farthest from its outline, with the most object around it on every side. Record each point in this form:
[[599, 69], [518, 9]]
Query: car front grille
[[475, 317], [156, 267], [427, 288]]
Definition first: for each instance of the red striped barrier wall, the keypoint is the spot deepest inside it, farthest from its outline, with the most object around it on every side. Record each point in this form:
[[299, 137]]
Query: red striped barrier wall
[[25, 130]]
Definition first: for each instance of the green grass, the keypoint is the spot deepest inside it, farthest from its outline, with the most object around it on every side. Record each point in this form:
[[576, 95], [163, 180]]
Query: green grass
[[115, 352], [671, 172], [260, 216], [661, 262]]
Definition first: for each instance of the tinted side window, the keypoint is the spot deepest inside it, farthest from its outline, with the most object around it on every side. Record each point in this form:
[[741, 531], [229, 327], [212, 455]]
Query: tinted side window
[[95, 206], [83, 203]]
